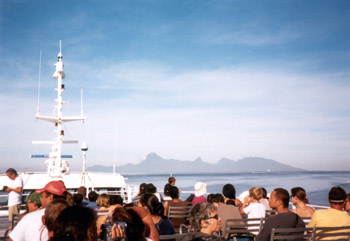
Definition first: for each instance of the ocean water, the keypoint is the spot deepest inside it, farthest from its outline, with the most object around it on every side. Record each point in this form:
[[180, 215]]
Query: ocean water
[[316, 184]]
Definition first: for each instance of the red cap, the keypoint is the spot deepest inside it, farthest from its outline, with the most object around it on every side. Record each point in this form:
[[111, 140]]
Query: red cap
[[55, 187]]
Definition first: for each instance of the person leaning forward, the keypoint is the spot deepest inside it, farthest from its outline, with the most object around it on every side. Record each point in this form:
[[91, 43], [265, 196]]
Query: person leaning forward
[[31, 227], [15, 192]]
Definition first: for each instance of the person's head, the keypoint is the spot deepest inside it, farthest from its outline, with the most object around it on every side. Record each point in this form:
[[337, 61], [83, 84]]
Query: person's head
[[70, 199], [218, 199], [33, 201], [143, 188], [204, 218], [279, 198], [298, 193], [151, 188], [171, 181], [210, 197], [116, 199], [78, 199], [82, 190], [151, 202], [92, 196], [200, 188], [337, 196], [103, 200], [76, 223], [347, 203], [264, 193], [229, 191], [11, 173], [255, 193], [174, 192], [51, 213], [135, 227], [53, 190]]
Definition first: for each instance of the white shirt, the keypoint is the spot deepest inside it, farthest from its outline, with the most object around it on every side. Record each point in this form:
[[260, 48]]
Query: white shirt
[[30, 228], [15, 198]]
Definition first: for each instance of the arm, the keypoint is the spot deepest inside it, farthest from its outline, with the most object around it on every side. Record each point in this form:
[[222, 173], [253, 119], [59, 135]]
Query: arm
[[166, 206], [17, 189], [246, 203]]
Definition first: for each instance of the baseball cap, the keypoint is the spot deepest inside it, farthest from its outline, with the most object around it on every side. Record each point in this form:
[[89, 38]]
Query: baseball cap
[[55, 187]]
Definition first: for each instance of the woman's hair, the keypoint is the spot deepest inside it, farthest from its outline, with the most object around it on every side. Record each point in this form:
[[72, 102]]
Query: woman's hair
[[76, 223], [173, 192], [256, 193], [152, 203], [103, 200], [135, 227], [229, 191], [300, 193], [199, 212]]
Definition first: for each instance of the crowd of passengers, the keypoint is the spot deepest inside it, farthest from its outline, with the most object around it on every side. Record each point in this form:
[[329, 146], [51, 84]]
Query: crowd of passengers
[[54, 214]]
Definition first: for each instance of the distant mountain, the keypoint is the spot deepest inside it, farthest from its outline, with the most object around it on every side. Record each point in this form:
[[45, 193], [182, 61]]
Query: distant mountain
[[155, 164]]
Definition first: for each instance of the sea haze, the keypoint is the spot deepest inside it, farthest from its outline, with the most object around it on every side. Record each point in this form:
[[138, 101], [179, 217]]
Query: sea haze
[[316, 184], [154, 164]]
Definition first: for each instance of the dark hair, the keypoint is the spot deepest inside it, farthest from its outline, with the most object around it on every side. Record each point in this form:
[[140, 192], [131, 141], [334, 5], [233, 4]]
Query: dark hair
[[115, 199], [218, 198], [230, 202], [152, 203], [300, 193], [264, 193], [52, 211], [76, 223], [151, 188], [92, 196], [201, 211], [174, 192], [135, 227], [171, 179], [229, 191], [78, 199], [12, 171], [283, 195], [210, 197], [337, 195], [143, 188]]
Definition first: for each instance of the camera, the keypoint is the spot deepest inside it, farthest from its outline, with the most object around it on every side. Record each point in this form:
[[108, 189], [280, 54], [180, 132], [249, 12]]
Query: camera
[[4, 188], [107, 230]]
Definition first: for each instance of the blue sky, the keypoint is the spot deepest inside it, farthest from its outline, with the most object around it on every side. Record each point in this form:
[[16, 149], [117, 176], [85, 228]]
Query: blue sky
[[183, 79]]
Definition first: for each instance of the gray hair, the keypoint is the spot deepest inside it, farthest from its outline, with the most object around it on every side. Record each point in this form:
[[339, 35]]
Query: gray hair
[[199, 212]]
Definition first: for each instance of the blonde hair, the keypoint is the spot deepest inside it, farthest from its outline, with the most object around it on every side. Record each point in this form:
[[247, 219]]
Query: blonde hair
[[103, 200], [256, 193]]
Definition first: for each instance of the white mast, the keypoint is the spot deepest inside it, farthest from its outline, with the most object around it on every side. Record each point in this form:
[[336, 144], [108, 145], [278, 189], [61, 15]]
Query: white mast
[[57, 167]]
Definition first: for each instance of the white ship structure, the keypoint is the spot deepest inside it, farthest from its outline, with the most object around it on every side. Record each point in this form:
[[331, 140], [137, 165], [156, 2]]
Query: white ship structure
[[58, 166]]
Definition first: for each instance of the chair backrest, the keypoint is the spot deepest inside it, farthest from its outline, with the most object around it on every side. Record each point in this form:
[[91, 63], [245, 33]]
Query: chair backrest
[[242, 226], [179, 211], [291, 234], [338, 233]]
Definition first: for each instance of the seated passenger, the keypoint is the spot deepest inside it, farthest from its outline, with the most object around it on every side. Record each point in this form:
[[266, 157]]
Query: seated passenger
[[229, 193], [199, 190], [51, 213], [174, 194], [333, 216], [205, 222], [102, 202], [75, 223], [225, 211], [347, 204], [284, 219], [299, 199], [171, 182], [162, 223], [92, 200], [252, 206], [264, 200]]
